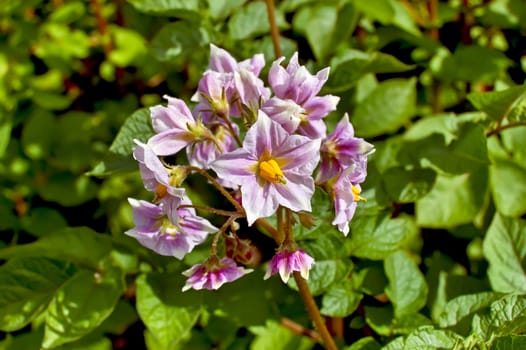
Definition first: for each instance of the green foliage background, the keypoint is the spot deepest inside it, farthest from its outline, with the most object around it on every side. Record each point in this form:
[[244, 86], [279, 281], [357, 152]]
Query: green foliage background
[[435, 258]]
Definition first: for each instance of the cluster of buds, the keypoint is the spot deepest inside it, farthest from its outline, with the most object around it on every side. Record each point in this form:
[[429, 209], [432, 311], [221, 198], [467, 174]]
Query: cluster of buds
[[274, 169]]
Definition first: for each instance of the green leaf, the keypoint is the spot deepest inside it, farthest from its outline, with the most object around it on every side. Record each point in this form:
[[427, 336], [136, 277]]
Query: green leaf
[[518, 110], [6, 125], [366, 343], [462, 306], [496, 104], [179, 39], [274, 336], [67, 189], [28, 284], [407, 287], [467, 153], [426, 338], [351, 65], [505, 249], [41, 221], [77, 244], [340, 300], [167, 313], [406, 186], [377, 236], [510, 342], [129, 46], [325, 273], [507, 316], [453, 200], [443, 124], [465, 64], [220, 9], [333, 23], [252, 20], [137, 126], [176, 8], [386, 109], [81, 305], [68, 12], [389, 12], [38, 144], [508, 187]]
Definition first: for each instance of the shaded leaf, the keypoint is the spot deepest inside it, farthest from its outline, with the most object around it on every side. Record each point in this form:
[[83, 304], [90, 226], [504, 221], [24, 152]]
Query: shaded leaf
[[77, 244]]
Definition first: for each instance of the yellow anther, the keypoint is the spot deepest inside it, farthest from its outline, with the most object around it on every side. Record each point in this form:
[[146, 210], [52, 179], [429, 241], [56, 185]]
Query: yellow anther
[[270, 171], [356, 193]]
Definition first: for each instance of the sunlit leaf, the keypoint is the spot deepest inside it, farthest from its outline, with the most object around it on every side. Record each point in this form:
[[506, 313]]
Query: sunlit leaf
[[407, 287], [505, 249], [80, 306], [28, 284]]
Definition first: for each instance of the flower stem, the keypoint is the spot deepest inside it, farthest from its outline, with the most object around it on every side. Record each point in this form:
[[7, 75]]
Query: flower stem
[[314, 312], [273, 28], [209, 209], [220, 188]]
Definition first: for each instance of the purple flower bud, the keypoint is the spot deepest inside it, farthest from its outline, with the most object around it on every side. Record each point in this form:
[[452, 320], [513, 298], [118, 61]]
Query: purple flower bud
[[288, 260], [213, 273]]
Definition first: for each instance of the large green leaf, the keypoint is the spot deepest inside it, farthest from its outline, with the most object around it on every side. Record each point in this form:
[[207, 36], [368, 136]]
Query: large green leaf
[[351, 65], [507, 316], [167, 312], [496, 104], [508, 187], [453, 200], [179, 39], [377, 236], [340, 300], [510, 342], [81, 305], [333, 23], [274, 336], [177, 8], [407, 287], [28, 284], [77, 244], [462, 306], [465, 64], [406, 186], [386, 109], [137, 126], [505, 248], [251, 20], [426, 337]]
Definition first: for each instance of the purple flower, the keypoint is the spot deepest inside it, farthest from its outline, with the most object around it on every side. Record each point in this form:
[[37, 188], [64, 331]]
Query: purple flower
[[273, 168], [201, 154], [214, 95], [341, 150], [167, 229], [288, 260], [155, 176], [346, 195], [251, 90], [222, 61], [175, 126], [213, 273], [297, 84]]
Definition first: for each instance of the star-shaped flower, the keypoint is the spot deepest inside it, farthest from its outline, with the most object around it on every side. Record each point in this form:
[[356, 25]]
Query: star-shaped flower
[[272, 168]]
